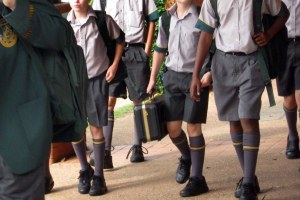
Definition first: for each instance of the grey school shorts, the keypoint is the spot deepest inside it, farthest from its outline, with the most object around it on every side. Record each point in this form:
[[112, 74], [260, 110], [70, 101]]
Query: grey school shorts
[[238, 86], [97, 101], [138, 71], [289, 80], [179, 106], [117, 90], [27, 186]]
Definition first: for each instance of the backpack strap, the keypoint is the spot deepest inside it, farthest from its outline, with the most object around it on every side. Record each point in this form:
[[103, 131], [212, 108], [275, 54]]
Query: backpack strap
[[261, 53], [214, 4], [103, 4], [102, 26], [165, 22]]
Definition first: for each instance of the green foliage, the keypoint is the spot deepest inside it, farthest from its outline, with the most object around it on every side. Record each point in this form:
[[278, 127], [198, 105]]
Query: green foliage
[[160, 4]]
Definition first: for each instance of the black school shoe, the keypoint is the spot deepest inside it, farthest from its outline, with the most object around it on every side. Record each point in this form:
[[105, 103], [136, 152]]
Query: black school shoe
[[107, 163], [237, 192], [292, 149], [98, 186], [85, 180], [183, 171], [248, 192], [137, 153], [195, 186]]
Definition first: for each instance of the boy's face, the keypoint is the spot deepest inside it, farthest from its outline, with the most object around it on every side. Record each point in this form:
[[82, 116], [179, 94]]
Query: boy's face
[[79, 5]]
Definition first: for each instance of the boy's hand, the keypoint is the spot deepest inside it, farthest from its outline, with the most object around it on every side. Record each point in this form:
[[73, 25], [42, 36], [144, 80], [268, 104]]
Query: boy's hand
[[150, 86], [261, 39], [111, 72], [9, 3], [206, 79], [195, 89]]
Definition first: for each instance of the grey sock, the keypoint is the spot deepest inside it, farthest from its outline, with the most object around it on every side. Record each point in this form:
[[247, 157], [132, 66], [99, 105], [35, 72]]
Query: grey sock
[[108, 131], [197, 148], [80, 151], [99, 149], [291, 118], [135, 135], [182, 144], [237, 140], [251, 146]]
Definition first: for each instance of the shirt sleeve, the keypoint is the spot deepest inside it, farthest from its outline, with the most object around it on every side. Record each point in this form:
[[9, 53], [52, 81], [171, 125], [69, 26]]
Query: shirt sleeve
[[161, 41], [39, 23], [207, 21], [150, 10], [274, 8], [114, 30]]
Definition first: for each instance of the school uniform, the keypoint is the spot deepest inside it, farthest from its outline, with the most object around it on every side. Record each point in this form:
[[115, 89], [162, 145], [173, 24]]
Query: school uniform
[[180, 64], [26, 122], [130, 16], [238, 83], [89, 38], [289, 80]]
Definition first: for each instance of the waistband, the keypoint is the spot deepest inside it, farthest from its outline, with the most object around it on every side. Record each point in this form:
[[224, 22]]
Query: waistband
[[135, 45], [234, 53], [295, 39]]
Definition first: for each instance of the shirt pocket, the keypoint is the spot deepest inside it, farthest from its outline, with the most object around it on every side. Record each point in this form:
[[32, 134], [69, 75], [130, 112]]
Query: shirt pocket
[[135, 14]]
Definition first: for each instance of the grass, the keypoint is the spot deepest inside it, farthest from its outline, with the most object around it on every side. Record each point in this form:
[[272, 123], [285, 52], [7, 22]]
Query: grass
[[122, 111]]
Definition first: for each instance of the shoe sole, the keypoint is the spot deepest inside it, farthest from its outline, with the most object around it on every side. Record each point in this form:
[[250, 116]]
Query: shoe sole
[[98, 193], [195, 194], [291, 157]]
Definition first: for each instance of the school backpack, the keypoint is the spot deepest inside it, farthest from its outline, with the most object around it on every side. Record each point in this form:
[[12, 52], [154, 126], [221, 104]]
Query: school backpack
[[273, 56], [65, 75], [110, 44]]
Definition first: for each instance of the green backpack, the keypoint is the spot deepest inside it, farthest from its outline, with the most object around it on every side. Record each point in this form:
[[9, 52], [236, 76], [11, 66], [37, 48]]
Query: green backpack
[[272, 57], [65, 75]]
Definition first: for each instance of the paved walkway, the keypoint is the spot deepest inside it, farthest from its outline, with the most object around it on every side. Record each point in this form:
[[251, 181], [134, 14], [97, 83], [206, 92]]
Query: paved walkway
[[155, 179]]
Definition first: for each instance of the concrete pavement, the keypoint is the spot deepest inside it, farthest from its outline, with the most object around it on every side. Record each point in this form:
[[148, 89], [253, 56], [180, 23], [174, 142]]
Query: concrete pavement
[[155, 179]]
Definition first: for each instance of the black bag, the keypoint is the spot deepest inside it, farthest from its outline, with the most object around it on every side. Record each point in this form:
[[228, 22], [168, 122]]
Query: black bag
[[149, 119], [110, 44]]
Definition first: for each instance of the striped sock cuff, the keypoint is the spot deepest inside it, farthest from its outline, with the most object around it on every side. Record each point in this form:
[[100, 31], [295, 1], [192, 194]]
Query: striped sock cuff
[[99, 141]]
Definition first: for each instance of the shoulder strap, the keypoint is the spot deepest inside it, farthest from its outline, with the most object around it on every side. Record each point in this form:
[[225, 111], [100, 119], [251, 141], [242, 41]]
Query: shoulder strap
[[165, 22], [214, 4], [103, 4], [102, 26]]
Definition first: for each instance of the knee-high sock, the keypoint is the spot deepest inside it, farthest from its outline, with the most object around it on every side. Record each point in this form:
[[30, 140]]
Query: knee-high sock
[[99, 149], [237, 140], [197, 147], [108, 131], [251, 146], [291, 118], [135, 135], [80, 151], [182, 144]]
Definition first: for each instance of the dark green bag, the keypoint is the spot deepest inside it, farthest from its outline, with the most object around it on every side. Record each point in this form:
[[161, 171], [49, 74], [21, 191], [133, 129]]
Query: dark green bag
[[65, 75], [110, 44]]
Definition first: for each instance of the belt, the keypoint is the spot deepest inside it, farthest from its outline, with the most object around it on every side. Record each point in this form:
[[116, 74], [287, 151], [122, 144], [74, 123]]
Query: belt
[[135, 45], [296, 39], [236, 53]]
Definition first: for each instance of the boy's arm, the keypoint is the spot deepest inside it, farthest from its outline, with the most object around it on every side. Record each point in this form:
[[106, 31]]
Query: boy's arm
[[262, 39], [38, 22], [157, 61], [203, 47], [111, 72], [150, 37]]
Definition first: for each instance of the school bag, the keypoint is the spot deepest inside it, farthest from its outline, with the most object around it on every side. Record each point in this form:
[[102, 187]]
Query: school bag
[[110, 44], [65, 76], [272, 57]]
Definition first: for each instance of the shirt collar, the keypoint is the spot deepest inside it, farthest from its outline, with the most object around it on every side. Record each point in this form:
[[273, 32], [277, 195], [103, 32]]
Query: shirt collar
[[191, 10], [71, 16]]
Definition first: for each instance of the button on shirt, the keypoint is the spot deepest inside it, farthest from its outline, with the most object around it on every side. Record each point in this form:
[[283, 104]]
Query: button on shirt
[[236, 18], [293, 23], [130, 16], [89, 38], [183, 39]]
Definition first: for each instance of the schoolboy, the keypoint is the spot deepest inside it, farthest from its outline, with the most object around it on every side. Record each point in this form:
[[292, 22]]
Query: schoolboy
[[83, 20], [130, 15], [237, 78], [288, 82], [25, 115], [179, 106]]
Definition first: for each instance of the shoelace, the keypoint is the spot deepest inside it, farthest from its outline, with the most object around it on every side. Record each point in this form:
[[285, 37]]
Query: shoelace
[[139, 148], [239, 183]]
